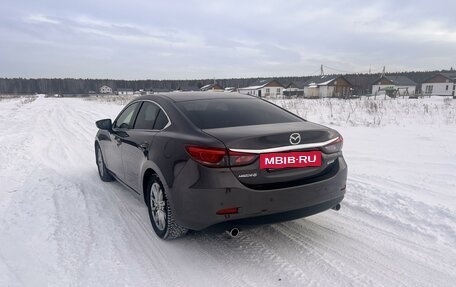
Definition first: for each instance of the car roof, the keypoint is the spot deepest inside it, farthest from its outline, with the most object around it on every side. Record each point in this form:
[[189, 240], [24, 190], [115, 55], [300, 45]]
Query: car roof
[[193, 96]]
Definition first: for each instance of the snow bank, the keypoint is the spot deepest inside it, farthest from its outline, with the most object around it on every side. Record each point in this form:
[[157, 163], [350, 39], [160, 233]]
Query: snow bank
[[374, 112]]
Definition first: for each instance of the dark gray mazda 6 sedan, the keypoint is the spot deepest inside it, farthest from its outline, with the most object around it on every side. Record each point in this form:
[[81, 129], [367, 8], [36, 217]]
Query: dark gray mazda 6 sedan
[[201, 159]]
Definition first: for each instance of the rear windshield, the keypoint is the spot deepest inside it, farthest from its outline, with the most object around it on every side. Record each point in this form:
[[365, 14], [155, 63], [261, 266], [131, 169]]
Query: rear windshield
[[223, 113]]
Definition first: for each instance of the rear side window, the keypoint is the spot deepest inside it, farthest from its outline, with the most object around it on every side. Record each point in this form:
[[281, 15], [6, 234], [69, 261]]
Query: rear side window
[[161, 121], [151, 117], [146, 116], [222, 113]]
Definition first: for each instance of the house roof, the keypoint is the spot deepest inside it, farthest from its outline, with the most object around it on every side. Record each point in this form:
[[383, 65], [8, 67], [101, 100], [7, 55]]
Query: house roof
[[451, 75], [398, 80], [210, 86], [298, 83], [321, 80], [187, 87], [260, 83], [160, 90]]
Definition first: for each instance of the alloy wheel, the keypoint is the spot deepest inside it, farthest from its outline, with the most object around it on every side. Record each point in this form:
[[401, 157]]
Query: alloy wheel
[[158, 206], [100, 162]]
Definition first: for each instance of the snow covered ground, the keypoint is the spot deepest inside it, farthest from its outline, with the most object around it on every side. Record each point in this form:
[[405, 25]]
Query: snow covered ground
[[60, 225]]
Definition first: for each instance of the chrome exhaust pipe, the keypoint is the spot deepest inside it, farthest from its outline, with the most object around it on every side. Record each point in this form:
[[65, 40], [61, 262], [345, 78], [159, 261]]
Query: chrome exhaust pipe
[[336, 207], [233, 232]]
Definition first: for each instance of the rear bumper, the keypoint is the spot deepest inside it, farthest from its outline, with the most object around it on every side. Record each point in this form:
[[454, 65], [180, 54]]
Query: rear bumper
[[282, 216], [199, 192]]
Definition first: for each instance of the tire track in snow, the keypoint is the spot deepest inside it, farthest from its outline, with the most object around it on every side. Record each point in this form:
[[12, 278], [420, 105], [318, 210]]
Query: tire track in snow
[[246, 254], [402, 212], [13, 142], [66, 133], [142, 236], [74, 229], [344, 260], [68, 129]]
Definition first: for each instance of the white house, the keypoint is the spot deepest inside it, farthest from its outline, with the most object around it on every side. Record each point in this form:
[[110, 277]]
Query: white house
[[230, 89], [105, 90], [125, 92], [327, 86], [143, 92], [401, 85], [264, 88], [212, 87], [441, 84]]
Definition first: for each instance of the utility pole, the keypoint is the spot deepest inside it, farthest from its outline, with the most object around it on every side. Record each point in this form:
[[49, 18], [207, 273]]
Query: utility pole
[[383, 71], [322, 72]]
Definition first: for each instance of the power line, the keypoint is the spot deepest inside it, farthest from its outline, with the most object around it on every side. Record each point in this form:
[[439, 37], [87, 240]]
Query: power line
[[315, 72], [373, 70], [337, 70]]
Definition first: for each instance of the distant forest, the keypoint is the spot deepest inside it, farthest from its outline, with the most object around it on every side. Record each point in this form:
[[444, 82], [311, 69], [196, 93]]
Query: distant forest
[[362, 83]]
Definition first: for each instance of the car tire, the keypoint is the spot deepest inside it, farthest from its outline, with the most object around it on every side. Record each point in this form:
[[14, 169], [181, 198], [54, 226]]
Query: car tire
[[103, 172], [160, 212]]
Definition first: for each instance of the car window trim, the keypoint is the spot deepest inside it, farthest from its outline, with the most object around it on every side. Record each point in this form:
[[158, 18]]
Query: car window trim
[[156, 118], [160, 107]]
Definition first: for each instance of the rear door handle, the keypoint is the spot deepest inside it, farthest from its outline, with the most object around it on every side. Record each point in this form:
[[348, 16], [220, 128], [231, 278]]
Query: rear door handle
[[118, 140]]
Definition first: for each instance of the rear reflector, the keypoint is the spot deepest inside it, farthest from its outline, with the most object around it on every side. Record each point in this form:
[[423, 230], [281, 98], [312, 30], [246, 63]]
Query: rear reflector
[[225, 211]]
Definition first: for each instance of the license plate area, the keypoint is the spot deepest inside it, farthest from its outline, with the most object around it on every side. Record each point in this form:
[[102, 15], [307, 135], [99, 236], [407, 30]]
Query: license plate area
[[290, 160]]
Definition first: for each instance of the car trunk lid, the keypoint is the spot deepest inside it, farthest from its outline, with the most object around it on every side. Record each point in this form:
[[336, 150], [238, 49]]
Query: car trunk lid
[[272, 139]]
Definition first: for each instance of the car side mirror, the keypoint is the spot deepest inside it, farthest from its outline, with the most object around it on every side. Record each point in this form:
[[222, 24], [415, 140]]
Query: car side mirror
[[105, 124]]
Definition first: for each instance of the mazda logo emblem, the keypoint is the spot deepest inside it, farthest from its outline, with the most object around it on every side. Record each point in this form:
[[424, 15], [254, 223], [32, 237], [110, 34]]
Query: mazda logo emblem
[[295, 138]]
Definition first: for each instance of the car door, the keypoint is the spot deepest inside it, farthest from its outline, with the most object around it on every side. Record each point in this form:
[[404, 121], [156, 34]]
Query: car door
[[135, 152], [118, 137]]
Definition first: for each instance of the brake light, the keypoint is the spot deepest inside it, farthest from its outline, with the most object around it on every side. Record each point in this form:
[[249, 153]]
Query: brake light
[[219, 157], [335, 146], [207, 155]]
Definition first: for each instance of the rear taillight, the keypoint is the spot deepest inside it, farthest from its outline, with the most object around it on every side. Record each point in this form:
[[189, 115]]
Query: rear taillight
[[240, 158], [219, 157], [335, 146], [208, 156]]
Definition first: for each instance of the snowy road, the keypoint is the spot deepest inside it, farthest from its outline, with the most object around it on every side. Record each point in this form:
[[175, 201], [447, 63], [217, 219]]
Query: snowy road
[[60, 225]]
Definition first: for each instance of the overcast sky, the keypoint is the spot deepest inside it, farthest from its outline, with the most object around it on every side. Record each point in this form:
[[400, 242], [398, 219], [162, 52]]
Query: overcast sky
[[147, 39]]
